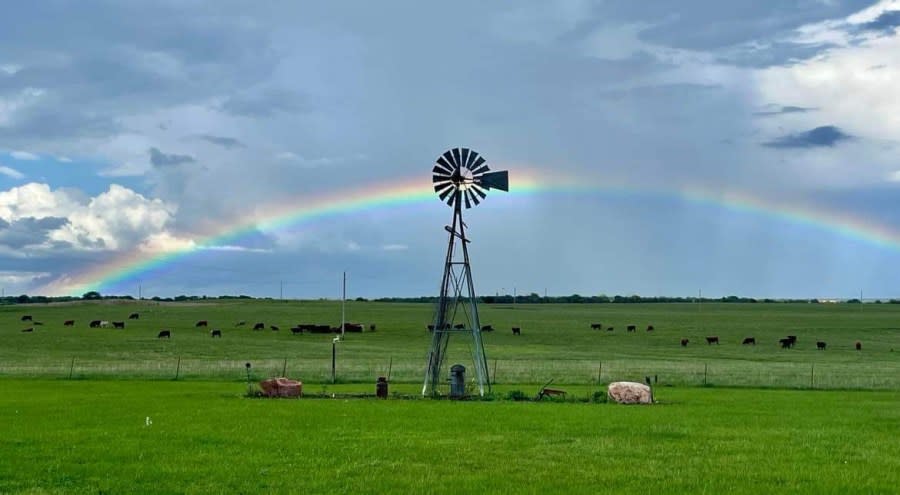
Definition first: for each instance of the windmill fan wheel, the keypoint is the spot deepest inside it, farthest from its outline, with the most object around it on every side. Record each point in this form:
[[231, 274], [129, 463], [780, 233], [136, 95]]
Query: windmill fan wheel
[[461, 177]]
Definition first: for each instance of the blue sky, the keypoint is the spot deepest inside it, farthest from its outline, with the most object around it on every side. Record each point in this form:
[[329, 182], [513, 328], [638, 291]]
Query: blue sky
[[131, 127]]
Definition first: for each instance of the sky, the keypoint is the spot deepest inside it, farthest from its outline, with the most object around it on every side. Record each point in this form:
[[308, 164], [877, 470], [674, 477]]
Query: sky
[[742, 148]]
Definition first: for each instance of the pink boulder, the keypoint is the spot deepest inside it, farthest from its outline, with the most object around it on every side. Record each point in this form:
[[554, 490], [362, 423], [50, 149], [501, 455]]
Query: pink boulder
[[630, 393], [281, 387]]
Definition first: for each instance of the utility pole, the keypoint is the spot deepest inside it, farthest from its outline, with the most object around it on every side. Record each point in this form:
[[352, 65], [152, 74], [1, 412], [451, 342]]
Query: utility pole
[[281, 290], [140, 293]]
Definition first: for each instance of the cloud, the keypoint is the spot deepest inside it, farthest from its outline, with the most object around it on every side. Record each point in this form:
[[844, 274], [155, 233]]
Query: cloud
[[783, 110], [28, 231], [225, 142], [886, 22], [824, 136], [11, 172], [266, 103], [20, 277], [160, 159], [24, 155], [394, 247]]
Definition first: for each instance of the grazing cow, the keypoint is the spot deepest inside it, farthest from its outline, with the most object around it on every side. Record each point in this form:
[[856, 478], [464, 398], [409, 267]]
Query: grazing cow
[[353, 327], [487, 328], [296, 330], [29, 329], [610, 329], [215, 333], [38, 323], [430, 328], [69, 323], [95, 324], [712, 340], [792, 338], [684, 342], [241, 323], [650, 328], [118, 324], [201, 323], [104, 324], [372, 327], [274, 328], [749, 340], [820, 345], [26, 318], [858, 345], [786, 343], [259, 326], [516, 331], [596, 326], [631, 328], [164, 333], [459, 326], [321, 329], [133, 316]]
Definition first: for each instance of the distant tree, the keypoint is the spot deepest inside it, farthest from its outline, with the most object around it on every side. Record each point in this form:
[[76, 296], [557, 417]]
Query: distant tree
[[854, 301], [23, 299], [91, 295]]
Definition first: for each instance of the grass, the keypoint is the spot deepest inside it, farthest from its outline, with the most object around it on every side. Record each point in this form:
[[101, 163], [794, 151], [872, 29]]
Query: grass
[[93, 437], [557, 343]]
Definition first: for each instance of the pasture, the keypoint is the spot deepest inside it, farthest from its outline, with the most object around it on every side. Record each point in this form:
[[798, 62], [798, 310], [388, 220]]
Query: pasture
[[557, 343]]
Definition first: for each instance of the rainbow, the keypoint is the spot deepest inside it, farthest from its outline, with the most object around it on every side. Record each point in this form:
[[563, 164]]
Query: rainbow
[[143, 264]]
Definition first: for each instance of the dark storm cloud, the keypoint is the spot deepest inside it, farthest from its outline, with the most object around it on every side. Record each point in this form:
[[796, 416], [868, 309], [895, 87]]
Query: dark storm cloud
[[885, 23], [28, 231], [160, 159], [225, 142], [824, 136], [783, 110]]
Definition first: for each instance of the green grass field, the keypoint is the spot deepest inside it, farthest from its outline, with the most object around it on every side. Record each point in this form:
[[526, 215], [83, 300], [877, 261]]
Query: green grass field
[[122, 424], [557, 343]]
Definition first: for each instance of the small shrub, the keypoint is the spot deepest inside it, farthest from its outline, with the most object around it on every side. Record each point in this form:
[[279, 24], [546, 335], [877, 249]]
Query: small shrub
[[600, 397], [517, 395]]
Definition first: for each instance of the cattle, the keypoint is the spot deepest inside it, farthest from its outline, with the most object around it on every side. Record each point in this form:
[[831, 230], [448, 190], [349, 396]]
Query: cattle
[[650, 328], [459, 326], [29, 329], [259, 326], [353, 327], [296, 330], [610, 329], [712, 340], [274, 328], [684, 342], [320, 329], [821, 345], [858, 345], [134, 316], [596, 326], [240, 323], [786, 343], [118, 324], [104, 324], [38, 323], [372, 327], [430, 328], [487, 328], [69, 323], [94, 324], [201, 323], [26, 318], [516, 331], [215, 333], [792, 338], [749, 340], [631, 328], [164, 333]]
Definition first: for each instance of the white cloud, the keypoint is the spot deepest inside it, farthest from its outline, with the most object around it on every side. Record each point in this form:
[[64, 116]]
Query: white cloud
[[64, 159], [15, 277], [24, 155], [11, 172], [395, 247], [10, 69], [10, 105]]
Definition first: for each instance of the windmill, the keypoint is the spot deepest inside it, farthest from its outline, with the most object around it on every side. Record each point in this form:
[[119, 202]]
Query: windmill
[[461, 178]]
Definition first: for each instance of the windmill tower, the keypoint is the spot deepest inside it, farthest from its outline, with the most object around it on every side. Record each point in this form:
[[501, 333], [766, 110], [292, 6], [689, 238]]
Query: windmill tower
[[461, 178]]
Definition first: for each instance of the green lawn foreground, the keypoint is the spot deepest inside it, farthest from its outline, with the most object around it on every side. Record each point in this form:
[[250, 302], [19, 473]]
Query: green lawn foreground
[[61, 436]]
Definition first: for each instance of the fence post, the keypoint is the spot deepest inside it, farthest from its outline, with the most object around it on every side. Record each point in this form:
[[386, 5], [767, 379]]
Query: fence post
[[284, 368], [494, 380], [600, 373], [71, 368], [812, 375], [705, 372], [178, 368]]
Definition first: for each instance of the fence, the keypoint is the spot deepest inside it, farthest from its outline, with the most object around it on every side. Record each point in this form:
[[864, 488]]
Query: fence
[[883, 375]]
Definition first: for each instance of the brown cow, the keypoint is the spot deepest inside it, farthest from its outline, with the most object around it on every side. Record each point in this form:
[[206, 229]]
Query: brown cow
[[372, 327], [201, 323], [684, 342], [858, 345], [164, 333], [69, 323], [712, 340], [650, 328]]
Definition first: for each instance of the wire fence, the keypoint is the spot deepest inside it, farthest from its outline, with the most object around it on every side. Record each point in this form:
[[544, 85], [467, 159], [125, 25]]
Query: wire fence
[[812, 375]]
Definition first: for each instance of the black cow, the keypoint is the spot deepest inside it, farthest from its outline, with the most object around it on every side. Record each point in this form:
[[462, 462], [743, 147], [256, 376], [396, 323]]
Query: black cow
[[516, 331], [95, 324], [133, 316], [712, 340], [164, 333], [215, 333], [372, 327], [321, 329], [296, 330], [274, 328], [430, 328], [38, 323], [487, 328], [259, 326], [650, 328], [631, 328], [821, 345], [684, 342], [786, 343], [353, 327], [596, 326], [26, 318], [201, 323], [858, 345], [118, 324], [459, 326], [69, 323], [610, 329], [241, 323], [749, 340], [29, 329]]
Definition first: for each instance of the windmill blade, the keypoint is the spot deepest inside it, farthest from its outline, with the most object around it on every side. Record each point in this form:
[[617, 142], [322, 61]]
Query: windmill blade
[[473, 196], [478, 191], [468, 201], [440, 178], [452, 198], [457, 160], [479, 166], [446, 192], [495, 180], [464, 155], [448, 159], [444, 165], [473, 155]]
